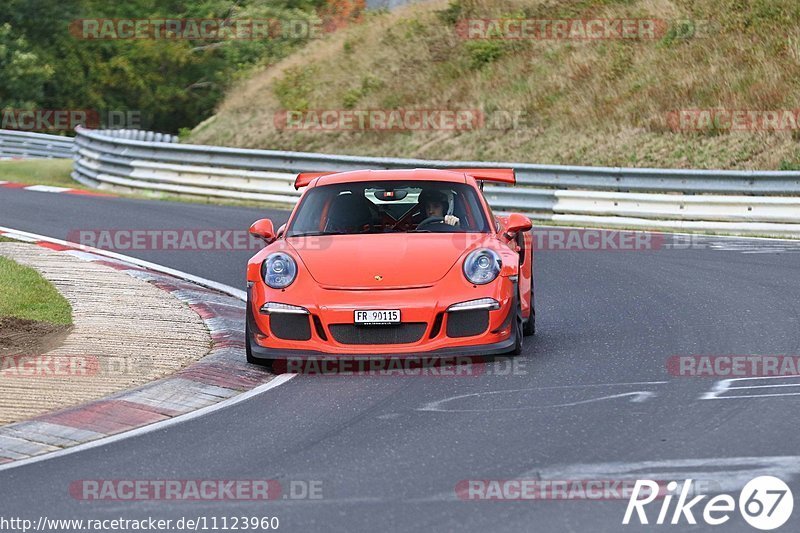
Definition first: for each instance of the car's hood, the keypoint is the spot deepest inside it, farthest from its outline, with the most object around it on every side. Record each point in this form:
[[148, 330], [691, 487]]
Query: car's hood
[[382, 261]]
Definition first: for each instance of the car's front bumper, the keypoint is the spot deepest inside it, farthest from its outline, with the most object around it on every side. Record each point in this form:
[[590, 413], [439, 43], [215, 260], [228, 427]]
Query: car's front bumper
[[419, 306]]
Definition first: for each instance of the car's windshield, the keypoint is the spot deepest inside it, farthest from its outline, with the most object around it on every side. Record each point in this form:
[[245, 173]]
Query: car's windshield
[[389, 207]]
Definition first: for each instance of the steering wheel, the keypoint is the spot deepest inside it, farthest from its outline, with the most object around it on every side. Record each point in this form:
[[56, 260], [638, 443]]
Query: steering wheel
[[430, 221]]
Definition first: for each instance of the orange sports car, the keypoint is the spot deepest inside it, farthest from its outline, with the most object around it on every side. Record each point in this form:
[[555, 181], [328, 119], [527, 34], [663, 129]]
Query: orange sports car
[[391, 262]]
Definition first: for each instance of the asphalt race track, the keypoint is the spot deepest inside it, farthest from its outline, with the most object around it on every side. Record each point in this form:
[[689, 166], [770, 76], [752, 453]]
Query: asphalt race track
[[590, 398]]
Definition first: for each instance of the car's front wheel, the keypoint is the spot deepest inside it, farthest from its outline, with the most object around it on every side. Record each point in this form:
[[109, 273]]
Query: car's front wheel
[[248, 350], [518, 334], [529, 327]]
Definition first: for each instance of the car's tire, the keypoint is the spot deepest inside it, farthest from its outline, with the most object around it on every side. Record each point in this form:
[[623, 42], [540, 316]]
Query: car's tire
[[529, 327], [248, 350], [517, 349]]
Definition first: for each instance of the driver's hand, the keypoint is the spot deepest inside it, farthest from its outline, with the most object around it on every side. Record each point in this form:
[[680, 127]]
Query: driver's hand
[[451, 219]]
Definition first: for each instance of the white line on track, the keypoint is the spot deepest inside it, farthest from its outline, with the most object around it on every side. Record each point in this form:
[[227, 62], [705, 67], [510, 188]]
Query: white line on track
[[636, 397], [765, 386], [47, 188], [719, 388], [748, 396]]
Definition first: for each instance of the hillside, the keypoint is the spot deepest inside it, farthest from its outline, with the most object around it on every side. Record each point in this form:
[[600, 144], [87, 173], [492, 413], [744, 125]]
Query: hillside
[[559, 100]]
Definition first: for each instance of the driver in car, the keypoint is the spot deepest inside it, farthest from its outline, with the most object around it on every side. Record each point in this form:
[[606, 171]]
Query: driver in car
[[435, 204]]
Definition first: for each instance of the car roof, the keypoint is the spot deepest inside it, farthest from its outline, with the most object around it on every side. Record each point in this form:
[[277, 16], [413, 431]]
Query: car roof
[[417, 174]]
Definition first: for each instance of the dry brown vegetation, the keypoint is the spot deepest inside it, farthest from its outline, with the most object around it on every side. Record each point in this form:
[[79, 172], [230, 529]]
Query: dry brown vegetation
[[590, 102]]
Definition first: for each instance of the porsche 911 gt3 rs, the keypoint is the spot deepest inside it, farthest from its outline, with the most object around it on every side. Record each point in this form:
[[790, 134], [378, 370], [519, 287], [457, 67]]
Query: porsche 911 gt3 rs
[[391, 263]]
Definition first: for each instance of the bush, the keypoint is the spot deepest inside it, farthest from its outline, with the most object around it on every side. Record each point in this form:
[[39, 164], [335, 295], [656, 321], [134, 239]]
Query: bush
[[482, 53], [294, 89]]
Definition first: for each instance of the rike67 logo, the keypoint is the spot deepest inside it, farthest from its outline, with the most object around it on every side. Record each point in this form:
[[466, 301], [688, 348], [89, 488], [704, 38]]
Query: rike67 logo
[[765, 503]]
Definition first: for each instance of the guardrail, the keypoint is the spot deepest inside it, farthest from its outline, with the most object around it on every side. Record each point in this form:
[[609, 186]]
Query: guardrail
[[23, 144], [138, 135], [30, 145], [745, 202]]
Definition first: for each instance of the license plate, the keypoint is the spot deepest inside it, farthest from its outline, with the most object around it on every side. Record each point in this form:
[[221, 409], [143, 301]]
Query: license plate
[[376, 317]]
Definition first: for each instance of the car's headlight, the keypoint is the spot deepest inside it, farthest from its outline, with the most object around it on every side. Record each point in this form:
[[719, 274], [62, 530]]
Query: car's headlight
[[482, 266], [279, 270]]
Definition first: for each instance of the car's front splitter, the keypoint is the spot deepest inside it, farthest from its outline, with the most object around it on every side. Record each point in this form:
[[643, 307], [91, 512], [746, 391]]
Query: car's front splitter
[[498, 348]]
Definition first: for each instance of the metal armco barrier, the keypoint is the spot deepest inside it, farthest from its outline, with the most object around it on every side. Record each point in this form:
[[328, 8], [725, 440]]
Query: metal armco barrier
[[23, 144], [737, 202], [30, 145]]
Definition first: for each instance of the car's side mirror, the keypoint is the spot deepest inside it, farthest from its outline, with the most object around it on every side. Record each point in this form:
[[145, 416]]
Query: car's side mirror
[[517, 222], [263, 229], [280, 231]]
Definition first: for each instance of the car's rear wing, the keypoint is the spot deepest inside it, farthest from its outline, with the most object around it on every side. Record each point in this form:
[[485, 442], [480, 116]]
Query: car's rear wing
[[500, 175], [304, 178]]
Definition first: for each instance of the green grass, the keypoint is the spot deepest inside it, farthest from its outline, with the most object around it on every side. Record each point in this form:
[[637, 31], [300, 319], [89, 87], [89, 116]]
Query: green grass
[[25, 294], [53, 172]]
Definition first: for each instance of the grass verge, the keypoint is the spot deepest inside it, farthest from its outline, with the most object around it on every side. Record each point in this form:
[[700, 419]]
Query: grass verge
[[25, 294], [55, 172]]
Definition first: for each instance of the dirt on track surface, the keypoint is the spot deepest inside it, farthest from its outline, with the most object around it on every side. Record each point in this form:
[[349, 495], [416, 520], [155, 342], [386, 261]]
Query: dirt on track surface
[[30, 337]]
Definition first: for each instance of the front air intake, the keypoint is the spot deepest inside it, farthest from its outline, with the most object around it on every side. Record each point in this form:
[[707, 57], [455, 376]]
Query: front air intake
[[400, 334], [467, 323], [290, 327]]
